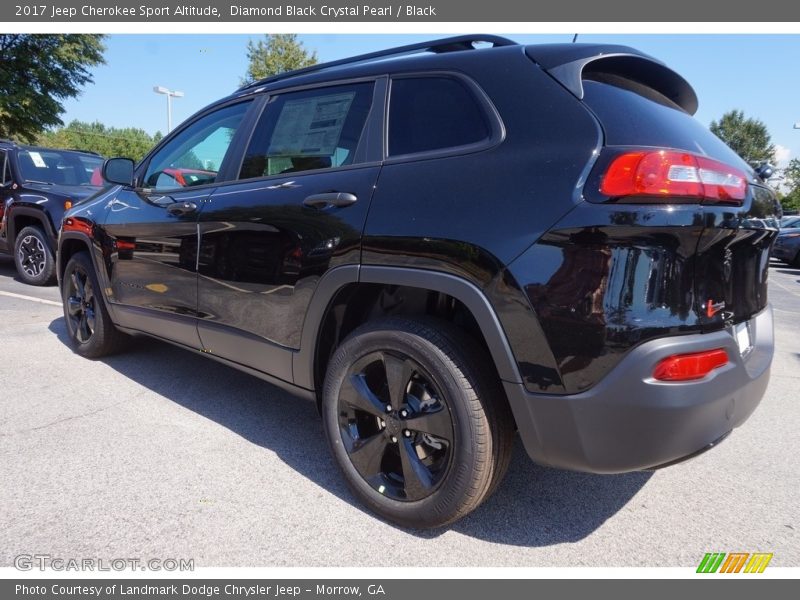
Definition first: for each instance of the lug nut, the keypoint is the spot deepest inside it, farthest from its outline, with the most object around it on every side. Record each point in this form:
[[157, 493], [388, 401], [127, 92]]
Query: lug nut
[[406, 433], [394, 439], [388, 408], [383, 424], [404, 413]]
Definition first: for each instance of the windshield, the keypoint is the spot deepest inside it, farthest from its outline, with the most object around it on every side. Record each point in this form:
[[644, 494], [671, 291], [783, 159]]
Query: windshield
[[60, 167]]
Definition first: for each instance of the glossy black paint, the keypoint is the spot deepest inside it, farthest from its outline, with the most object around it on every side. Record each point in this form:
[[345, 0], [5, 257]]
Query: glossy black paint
[[733, 257], [520, 187], [152, 255], [604, 279], [609, 277], [262, 253]]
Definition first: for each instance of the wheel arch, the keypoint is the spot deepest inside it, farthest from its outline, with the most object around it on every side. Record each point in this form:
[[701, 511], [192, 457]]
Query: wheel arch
[[20, 217], [69, 244], [361, 284]]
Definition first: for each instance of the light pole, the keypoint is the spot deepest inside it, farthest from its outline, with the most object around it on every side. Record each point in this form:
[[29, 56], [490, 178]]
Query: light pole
[[170, 94]]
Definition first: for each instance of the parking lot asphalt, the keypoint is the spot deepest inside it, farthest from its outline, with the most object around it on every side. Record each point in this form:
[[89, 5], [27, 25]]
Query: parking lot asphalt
[[162, 453]]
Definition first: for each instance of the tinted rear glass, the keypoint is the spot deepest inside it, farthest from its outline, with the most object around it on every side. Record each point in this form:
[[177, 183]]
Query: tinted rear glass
[[630, 119], [309, 130], [433, 113]]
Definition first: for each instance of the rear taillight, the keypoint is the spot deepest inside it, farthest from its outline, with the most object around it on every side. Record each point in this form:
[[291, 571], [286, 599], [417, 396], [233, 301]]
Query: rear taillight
[[673, 174], [686, 367]]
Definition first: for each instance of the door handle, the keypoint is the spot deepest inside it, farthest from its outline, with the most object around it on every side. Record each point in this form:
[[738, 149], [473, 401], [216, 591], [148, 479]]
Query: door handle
[[327, 199], [180, 209]]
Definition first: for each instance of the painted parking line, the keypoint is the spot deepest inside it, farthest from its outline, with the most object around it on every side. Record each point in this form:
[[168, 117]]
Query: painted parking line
[[30, 298]]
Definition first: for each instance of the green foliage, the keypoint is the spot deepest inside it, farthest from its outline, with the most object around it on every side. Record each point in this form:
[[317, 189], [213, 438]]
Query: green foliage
[[748, 137], [39, 72], [96, 137], [190, 160], [275, 54], [791, 179]]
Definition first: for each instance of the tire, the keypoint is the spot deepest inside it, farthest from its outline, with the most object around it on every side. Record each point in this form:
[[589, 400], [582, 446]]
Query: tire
[[796, 262], [445, 444], [90, 330], [33, 257]]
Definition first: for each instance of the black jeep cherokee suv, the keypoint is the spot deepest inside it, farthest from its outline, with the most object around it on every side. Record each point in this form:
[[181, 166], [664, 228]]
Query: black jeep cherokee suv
[[35, 187], [446, 248]]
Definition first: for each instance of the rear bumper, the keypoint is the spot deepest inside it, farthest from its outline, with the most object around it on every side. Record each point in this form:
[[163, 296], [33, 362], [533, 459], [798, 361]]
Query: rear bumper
[[629, 421]]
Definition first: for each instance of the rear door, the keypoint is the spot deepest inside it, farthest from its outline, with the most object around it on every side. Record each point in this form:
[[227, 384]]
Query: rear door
[[153, 227], [305, 185]]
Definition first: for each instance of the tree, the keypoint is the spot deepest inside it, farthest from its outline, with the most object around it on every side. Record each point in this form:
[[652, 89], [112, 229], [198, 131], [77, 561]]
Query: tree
[[39, 72], [791, 178], [748, 137], [275, 54], [109, 141]]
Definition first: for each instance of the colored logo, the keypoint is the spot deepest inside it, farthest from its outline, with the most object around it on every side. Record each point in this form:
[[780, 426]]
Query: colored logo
[[734, 562]]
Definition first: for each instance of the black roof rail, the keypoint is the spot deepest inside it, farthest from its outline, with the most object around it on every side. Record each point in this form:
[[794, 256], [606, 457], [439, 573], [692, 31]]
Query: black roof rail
[[451, 44]]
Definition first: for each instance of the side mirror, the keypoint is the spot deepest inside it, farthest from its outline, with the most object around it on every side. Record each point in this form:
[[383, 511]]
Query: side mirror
[[118, 171]]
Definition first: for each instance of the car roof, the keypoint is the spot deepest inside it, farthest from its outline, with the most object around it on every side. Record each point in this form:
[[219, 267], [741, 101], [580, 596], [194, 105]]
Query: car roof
[[10, 144], [565, 62]]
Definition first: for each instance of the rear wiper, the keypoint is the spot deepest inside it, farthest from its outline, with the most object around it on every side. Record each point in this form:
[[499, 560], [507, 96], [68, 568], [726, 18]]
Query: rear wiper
[[41, 182]]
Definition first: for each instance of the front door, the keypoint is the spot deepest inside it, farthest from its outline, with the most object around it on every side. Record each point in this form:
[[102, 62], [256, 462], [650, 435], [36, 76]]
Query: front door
[[153, 228]]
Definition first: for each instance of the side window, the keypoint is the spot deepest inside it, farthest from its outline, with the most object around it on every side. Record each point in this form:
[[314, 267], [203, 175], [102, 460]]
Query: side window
[[312, 129], [195, 155], [433, 113]]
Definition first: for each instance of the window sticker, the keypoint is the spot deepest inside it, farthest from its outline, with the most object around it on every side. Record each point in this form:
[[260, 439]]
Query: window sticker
[[310, 126], [37, 160]]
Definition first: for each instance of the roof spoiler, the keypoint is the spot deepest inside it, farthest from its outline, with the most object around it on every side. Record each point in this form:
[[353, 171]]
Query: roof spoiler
[[571, 64]]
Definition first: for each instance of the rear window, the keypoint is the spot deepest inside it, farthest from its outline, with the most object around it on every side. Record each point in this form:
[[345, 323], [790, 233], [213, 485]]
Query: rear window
[[309, 130], [433, 113], [630, 119]]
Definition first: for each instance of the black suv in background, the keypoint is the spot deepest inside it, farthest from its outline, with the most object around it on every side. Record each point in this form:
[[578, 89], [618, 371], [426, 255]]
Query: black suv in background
[[443, 249], [36, 186]]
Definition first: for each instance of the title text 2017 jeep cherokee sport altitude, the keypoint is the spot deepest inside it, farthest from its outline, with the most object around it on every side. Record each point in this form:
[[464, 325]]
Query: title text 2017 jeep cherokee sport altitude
[[445, 248]]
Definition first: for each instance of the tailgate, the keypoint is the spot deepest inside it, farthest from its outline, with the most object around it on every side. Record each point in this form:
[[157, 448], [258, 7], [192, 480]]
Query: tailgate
[[732, 261]]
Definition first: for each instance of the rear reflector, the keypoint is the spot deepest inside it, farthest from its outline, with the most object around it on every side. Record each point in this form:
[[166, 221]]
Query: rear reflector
[[672, 173], [686, 367]]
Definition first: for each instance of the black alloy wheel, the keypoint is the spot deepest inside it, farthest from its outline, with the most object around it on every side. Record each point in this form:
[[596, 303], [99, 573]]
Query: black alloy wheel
[[91, 331], [396, 426], [81, 307], [416, 419]]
